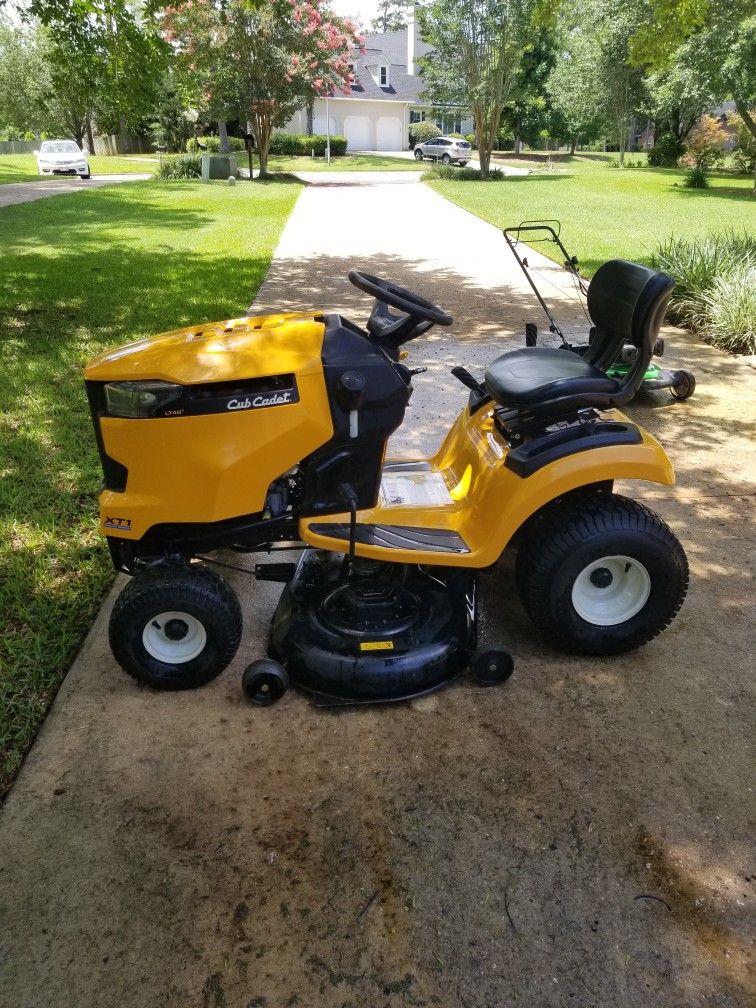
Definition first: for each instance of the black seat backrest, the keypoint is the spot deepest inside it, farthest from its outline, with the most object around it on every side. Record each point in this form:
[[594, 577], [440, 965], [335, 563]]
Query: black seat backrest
[[626, 302]]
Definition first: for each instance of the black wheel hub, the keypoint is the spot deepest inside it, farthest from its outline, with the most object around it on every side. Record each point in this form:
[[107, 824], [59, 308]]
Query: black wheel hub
[[601, 577], [175, 629]]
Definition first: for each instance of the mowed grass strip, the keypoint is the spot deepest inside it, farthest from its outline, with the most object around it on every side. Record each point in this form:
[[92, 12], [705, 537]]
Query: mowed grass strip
[[79, 274], [607, 212], [23, 167], [347, 163]]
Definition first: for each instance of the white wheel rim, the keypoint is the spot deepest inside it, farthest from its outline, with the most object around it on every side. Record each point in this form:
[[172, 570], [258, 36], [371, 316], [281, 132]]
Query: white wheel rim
[[611, 590], [174, 637]]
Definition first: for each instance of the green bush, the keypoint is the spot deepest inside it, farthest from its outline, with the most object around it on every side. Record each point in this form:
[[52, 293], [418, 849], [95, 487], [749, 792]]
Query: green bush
[[666, 152], [181, 166], [696, 177], [742, 162], [422, 132], [729, 312], [302, 145], [714, 286], [442, 171], [213, 144], [472, 140]]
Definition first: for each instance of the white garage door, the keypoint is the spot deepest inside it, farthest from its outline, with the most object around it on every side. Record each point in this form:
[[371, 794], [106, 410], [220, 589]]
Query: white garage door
[[390, 133], [357, 132]]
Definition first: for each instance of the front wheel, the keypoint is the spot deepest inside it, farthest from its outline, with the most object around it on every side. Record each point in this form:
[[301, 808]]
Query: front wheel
[[418, 155], [446, 159], [601, 575], [175, 628]]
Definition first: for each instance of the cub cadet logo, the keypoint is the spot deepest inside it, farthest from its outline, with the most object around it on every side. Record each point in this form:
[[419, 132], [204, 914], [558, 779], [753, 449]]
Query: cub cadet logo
[[275, 399], [124, 524]]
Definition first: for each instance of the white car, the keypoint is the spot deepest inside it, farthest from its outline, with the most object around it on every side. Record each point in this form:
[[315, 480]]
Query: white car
[[62, 157]]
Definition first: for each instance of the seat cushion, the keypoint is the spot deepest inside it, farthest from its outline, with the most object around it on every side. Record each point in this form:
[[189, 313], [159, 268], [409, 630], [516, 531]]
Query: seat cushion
[[535, 375]]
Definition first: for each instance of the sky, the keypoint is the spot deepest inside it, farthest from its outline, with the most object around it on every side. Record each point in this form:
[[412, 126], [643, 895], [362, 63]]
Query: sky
[[362, 10]]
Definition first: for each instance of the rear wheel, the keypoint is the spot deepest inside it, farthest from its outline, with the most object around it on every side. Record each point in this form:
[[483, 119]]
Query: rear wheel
[[446, 159], [601, 574], [462, 164], [418, 154], [176, 627]]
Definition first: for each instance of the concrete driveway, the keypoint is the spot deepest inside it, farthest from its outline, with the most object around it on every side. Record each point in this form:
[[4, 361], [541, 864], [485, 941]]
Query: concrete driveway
[[26, 192], [578, 837]]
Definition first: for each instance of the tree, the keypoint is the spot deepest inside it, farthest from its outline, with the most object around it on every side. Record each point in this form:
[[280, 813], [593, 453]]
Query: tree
[[392, 16], [679, 94], [528, 112], [24, 80], [477, 48], [574, 87], [270, 56], [719, 37], [105, 59]]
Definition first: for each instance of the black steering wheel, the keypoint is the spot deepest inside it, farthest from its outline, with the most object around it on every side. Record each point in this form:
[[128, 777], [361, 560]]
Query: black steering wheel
[[398, 297]]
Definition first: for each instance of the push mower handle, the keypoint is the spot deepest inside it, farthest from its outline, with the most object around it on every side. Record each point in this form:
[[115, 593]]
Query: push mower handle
[[399, 297]]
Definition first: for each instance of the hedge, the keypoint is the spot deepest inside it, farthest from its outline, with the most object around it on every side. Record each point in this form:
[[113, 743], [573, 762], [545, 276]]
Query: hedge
[[299, 144]]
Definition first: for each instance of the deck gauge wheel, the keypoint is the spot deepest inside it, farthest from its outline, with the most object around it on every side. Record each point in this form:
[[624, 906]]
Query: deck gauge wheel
[[491, 666], [265, 681]]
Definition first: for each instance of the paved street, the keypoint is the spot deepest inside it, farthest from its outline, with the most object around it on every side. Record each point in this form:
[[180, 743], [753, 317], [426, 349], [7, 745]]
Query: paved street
[[578, 837]]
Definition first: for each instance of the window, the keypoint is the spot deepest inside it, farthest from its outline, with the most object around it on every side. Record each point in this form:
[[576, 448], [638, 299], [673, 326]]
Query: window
[[383, 76], [416, 117]]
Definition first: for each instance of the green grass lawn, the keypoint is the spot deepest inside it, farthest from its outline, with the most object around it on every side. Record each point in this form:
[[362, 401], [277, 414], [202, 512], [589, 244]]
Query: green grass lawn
[[607, 212], [79, 274], [350, 162], [23, 167]]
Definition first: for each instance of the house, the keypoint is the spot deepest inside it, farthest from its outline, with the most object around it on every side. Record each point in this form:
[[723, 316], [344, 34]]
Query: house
[[384, 97]]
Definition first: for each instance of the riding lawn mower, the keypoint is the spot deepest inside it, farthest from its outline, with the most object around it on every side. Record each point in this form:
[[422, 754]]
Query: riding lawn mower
[[266, 433]]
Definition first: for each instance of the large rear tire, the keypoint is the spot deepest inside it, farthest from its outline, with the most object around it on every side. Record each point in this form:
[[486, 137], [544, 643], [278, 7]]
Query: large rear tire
[[175, 628], [600, 574]]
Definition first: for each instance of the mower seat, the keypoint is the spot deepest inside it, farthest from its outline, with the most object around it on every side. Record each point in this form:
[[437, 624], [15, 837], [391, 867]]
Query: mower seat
[[627, 304], [529, 376]]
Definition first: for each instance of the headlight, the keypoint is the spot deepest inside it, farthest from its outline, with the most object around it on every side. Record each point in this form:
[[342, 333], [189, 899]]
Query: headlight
[[140, 399]]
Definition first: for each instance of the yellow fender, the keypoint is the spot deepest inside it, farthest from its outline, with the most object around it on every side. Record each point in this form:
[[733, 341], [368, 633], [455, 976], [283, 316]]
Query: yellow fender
[[486, 502]]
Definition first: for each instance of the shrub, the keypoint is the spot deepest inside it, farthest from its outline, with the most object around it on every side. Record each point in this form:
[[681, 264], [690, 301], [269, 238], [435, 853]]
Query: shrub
[[696, 177], [742, 162], [666, 152], [729, 314], [462, 174], [182, 166], [698, 265], [422, 132], [302, 145], [213, 144], [703, 151], [472, 140]]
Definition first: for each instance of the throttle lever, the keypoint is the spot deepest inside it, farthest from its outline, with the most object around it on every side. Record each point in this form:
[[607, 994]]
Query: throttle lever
[[463, 375]]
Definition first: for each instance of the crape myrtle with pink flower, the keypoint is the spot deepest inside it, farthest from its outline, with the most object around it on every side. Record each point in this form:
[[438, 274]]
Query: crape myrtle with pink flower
[[264, 58]]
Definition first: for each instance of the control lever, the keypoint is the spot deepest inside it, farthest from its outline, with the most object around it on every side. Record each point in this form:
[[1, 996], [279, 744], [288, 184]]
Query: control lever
[[463, 375], [349, 496], [418, 370]]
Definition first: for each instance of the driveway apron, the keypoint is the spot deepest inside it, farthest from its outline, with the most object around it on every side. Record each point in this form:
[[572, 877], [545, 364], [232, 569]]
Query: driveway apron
[[578, 836]]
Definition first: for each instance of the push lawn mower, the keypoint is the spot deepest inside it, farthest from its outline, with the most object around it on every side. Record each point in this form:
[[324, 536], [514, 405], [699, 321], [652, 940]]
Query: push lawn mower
[[681, 384], [270, 432]]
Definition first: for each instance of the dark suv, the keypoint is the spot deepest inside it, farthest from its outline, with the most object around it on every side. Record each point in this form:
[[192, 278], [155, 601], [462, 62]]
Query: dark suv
[[445, 149]]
